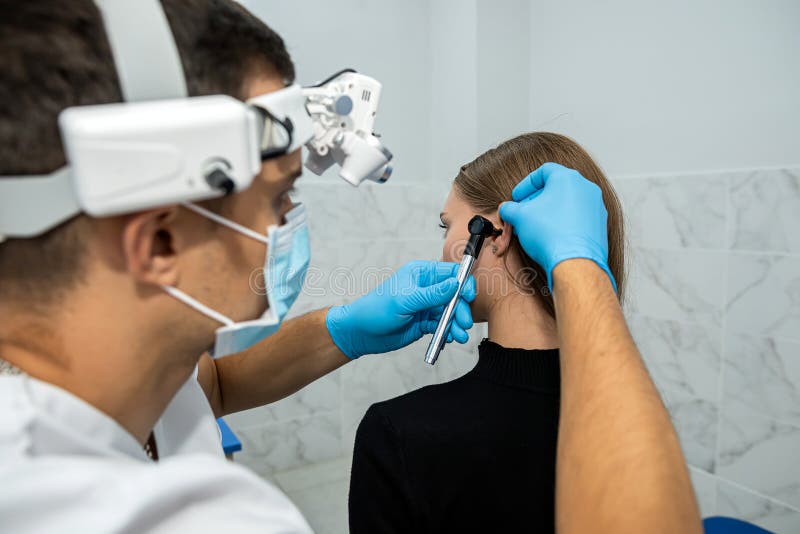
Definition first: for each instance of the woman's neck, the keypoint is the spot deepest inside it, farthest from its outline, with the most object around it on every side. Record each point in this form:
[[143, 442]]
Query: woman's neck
[[519, 321]]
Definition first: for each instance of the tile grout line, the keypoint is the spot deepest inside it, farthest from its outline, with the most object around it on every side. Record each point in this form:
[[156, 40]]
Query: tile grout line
[[299, 418], [758, 494], [723, 342], [728, 250], [684, 322], [752, 412], [762, 336], [681, 322], [709, 172]]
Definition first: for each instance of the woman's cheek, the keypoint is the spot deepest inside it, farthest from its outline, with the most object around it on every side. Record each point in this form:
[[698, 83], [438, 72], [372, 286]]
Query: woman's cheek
[[447, 251]]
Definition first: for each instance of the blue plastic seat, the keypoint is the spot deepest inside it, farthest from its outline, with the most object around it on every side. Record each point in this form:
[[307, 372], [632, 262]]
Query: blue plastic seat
[[230, 443], [729, 525]]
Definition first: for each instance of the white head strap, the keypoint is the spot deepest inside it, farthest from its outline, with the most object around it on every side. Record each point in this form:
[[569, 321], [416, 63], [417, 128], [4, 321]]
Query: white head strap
[[148, 69]]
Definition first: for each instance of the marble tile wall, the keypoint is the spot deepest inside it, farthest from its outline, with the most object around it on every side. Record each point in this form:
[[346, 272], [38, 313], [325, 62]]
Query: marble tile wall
[[714, 304]]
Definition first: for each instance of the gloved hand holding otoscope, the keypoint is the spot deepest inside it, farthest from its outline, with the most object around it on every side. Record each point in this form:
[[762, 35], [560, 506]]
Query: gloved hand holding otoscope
[[479, 229]]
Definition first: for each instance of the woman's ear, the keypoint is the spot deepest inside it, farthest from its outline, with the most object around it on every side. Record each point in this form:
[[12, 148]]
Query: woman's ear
[[150, 244], [499, 245]]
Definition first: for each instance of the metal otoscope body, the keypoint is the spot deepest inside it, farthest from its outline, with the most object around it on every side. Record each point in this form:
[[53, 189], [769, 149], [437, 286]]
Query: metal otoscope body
[[479, 229]]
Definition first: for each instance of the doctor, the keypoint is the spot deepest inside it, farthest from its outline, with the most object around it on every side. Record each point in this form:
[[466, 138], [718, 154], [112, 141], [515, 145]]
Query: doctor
[[109, 423]]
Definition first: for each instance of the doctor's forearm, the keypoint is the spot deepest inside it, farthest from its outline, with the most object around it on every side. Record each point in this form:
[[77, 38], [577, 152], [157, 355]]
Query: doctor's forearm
[[620, 467], [300, 352]]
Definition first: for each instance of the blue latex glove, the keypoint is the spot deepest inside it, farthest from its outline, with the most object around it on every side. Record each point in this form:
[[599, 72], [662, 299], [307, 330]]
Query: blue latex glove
[[401, 310], [557, 214]]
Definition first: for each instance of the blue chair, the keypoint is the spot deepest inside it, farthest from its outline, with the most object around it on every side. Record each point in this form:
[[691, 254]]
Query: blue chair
[[729, 525], [230, 443]]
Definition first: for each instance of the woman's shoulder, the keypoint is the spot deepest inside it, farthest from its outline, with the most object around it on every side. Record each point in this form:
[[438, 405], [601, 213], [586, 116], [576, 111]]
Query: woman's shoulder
[[420, 400], [423, 410]]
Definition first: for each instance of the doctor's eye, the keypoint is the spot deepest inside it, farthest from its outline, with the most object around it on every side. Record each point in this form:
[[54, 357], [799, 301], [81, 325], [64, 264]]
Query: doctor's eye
[[443, 227]]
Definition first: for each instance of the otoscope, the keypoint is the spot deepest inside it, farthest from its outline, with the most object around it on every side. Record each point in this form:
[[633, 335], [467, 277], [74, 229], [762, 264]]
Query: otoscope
[[479, 229]]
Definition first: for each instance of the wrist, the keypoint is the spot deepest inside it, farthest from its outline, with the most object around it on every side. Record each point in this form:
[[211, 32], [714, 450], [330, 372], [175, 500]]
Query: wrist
[[340, 331], [581, 270], [581, 248]]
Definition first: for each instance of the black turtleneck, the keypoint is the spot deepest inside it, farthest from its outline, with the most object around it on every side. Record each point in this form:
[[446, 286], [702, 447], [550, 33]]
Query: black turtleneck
[[477, 454]]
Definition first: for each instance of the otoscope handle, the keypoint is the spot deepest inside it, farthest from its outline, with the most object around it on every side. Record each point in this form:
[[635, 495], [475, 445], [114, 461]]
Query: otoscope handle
[[440, 334], [473, 247], [479, 229]]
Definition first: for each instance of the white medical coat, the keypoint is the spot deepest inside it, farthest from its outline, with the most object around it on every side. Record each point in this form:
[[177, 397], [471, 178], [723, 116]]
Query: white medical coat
[[67, 467]]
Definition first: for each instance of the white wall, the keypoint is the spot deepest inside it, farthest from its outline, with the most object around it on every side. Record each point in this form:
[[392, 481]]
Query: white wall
[[503, 71], [453, 124], [685, 85], [480, 63]]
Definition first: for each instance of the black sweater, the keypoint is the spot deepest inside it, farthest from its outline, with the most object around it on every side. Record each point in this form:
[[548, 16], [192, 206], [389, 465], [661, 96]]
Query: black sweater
[[476, 454]]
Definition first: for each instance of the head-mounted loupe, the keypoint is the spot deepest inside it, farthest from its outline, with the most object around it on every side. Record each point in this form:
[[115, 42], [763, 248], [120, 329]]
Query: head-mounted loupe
[[334, 119]]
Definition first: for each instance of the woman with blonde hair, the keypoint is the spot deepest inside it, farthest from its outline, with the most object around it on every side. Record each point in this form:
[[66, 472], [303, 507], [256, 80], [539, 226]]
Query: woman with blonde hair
[[478, 454]]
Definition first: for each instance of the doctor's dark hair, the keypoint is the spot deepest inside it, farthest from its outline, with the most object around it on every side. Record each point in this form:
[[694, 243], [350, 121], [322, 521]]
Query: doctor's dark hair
[[487, 181], [54, 55]]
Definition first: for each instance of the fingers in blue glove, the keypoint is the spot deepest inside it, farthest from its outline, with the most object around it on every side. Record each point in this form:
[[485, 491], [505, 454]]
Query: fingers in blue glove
[[436, 311], [510, 212], [462, 321], [430, 273], [463, 315], [458, 334], [427, 273], [468, 291], [425, 298], [430, 327], [533, 184], [529, 188]]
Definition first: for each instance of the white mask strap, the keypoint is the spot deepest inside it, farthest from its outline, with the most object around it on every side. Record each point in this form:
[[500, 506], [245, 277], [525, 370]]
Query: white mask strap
[[199, 306], [226, 222]]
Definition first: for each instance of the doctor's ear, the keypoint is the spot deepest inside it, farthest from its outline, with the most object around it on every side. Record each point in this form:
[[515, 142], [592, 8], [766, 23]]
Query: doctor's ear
[[150, 242]]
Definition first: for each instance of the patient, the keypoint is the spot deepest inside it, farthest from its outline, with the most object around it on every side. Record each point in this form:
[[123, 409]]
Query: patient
[[478, 454]]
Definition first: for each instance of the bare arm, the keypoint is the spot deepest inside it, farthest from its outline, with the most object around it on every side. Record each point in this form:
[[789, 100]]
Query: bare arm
[[402, 309], [300, 352], [620, 467]]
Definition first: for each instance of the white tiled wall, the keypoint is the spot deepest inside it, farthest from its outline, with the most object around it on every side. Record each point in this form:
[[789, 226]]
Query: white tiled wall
[[715, 308]]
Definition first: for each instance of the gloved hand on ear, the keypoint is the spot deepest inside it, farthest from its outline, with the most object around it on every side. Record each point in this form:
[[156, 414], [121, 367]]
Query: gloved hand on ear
[[557, 214], [401, 310]]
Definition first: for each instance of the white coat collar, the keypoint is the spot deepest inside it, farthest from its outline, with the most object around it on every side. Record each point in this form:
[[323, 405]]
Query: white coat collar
[[55, 421]]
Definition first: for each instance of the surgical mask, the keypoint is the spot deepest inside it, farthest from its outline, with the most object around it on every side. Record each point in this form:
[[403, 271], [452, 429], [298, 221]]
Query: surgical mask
[[287, 259]]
